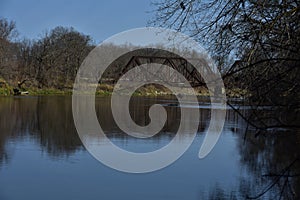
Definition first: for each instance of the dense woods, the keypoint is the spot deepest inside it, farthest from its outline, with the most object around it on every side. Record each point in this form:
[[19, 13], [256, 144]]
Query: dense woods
[[256, 45], [48, 62]]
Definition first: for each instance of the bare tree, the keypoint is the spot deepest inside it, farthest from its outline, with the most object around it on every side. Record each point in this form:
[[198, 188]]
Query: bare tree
[[8, 60], [257, 47], [7, 29], [58, 55]]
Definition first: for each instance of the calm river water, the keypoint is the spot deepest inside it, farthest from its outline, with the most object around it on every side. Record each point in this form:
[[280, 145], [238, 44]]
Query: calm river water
[[42, 157]]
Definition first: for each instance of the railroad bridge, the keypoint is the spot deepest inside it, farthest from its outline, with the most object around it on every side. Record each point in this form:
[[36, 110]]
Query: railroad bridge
[[178, 63]]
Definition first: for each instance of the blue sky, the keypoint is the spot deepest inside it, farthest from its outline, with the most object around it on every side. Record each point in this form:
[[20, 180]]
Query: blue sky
[[99, 19]]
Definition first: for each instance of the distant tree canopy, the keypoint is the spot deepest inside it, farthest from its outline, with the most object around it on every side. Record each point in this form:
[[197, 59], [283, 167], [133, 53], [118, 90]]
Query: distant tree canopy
[[255, 43], [7, 47], [51, 61], [58, 55]]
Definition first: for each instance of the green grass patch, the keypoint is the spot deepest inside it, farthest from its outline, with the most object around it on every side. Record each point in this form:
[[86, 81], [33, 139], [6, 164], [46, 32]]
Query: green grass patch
[[48, 91]]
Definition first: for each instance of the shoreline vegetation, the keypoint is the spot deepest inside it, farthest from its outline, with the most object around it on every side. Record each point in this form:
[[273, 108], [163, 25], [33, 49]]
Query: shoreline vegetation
[[49, 65], [104, 89]]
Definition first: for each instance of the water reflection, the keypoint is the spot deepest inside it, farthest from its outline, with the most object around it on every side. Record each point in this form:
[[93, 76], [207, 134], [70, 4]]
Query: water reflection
[[49, 121], [46, 120], [276, 157], [232, 171], [270, 166]]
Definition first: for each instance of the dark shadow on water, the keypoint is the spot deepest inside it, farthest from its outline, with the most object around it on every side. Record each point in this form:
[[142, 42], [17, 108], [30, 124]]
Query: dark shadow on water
[[48, 123]]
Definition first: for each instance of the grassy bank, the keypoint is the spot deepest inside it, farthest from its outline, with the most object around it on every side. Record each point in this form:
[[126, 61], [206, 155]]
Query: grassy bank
[[5, 88], [107, 89]]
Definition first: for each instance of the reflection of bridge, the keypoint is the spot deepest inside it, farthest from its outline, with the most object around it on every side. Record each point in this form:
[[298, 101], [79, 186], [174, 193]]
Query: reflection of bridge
[[178, 63]]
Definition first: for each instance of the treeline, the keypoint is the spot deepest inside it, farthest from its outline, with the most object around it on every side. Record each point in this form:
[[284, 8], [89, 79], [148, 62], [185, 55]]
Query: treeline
[[51, 61], [256, 45]]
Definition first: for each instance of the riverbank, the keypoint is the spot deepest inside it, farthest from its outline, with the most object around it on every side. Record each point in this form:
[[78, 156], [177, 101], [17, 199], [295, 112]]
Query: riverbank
[[107, 89]]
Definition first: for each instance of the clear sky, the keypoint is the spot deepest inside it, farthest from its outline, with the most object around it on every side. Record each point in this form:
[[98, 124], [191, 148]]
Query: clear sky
[[97, 18]]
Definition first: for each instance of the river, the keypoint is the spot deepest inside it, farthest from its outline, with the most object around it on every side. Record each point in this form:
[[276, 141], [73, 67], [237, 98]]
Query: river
[[42, 157]]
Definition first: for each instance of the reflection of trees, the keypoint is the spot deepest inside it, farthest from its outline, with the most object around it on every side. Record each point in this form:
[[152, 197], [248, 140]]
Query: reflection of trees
[[48, 120], [16, 117], [270, 164], [55, 126], [139, 111], [273, 159]]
